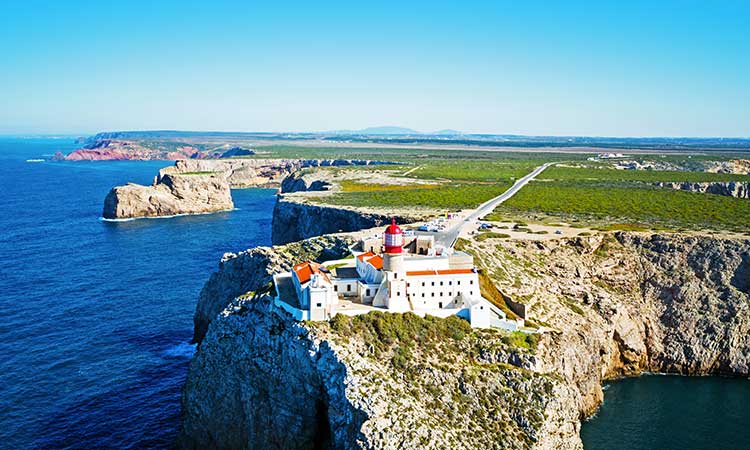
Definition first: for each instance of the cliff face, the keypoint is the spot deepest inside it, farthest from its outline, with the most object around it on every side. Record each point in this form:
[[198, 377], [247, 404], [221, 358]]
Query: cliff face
[[729, 188], [613, 305], [261, 380], [251, 270], [626, 303], [294, 221], [301, 182], [246, 172], [172, 194]]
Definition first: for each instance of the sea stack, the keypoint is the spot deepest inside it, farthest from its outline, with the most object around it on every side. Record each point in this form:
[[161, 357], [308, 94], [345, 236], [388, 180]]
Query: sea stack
[[172, 194]]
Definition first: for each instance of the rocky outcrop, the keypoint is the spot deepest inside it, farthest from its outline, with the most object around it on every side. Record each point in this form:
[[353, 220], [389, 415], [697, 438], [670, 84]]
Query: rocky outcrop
[[118, 150], [251, 270], [729, 188], [251, 172], [303, 182], [262, 380], [294, 220], [170, 195], [621, 304], [612, 304]]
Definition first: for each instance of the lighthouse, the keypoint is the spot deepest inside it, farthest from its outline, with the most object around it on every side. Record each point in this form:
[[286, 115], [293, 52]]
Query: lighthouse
[[394, 295], [393, 241]]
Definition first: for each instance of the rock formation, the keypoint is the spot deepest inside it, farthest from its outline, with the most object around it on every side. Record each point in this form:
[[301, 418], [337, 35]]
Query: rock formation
[[729, 188], [294, 220], [303, 182], [613, 305], [262, 380], [251, 172], [251, 270], [171, 194]]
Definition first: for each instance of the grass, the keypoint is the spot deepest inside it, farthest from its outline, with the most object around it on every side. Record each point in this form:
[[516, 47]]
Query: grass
[[449, 197], [490, 235], [353, 186], [648, 176], [519, 339], [489, 291], [633, 207]]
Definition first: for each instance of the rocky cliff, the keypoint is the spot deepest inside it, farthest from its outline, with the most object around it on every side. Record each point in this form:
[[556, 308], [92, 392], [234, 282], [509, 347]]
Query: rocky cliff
[[613, 305], [262, 380], [729, 188], [624, 303], [251, 270], [171, 194], [248, 172], [294, 220]]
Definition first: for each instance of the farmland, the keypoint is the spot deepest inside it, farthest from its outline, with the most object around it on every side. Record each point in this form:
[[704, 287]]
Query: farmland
[[602, 203], [646, 176]]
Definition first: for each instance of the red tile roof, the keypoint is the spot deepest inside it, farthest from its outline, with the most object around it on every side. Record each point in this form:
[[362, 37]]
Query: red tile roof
[[306, 270], [376, 262], [365, 255]]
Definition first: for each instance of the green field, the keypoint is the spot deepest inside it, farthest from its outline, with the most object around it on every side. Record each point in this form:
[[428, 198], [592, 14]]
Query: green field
[[602, 203], [448, 197], [648, 176]]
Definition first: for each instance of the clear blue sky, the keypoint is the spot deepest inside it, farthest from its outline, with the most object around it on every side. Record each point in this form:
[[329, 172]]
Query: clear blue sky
[[627, 68]]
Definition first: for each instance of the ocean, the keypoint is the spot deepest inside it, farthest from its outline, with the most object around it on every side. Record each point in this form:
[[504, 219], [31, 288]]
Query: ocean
[[659, 412], [95, 316], [95, 319]]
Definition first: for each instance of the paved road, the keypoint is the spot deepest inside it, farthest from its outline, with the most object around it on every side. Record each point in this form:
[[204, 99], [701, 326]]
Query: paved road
[[448, 237]]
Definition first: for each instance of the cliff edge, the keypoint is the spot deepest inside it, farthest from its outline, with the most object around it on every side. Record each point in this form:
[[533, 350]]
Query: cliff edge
[[613, 304], [170, 195]]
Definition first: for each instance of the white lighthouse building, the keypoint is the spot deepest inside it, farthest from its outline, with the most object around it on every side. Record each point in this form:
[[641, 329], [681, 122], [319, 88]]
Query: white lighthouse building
[[392, 280]]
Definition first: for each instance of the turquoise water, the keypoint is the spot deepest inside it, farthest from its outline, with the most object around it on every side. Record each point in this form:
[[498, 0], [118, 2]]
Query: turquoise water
[[672, 413], [95, 317]]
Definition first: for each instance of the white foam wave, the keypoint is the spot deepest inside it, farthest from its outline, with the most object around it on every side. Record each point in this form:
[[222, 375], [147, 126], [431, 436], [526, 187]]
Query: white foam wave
[[129, 219], [182, 350]]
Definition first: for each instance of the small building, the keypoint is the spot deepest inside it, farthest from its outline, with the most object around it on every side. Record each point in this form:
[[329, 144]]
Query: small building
[[395, 280]]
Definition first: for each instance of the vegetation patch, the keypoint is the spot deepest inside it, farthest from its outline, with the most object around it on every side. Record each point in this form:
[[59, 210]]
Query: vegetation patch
[[637, 206], [490, 235]]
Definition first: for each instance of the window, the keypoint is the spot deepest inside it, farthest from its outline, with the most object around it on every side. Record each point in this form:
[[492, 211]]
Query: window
[[458, 282], [441, 294], [318, 305], [367, 293], [450, 283], [348, 288], [471, 281], [433, 283], [481, 307], [433, 294], [471, 292], [440, 305], [408, 284], [441, 283], [422, 294], [335, 288], [423, 284], [398, 294]]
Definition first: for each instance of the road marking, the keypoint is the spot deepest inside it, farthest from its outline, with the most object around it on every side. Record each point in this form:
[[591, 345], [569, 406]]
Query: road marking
[[411, 170]]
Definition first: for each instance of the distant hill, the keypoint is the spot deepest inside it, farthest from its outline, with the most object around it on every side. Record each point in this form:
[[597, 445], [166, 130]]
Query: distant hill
[[445, 133], [386, 130]]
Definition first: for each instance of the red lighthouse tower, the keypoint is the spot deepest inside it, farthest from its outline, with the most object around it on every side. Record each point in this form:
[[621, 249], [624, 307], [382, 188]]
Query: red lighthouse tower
[[393, 239]]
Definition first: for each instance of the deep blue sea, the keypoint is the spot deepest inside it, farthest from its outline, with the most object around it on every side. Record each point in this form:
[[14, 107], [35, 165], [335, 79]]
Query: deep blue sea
[[95, 317]]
